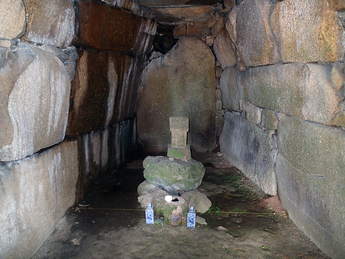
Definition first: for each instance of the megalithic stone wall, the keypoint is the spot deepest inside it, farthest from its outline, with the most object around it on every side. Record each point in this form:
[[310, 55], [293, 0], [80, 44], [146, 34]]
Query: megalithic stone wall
[[34, 100], [35, 192], [43, 173], [284, 103]]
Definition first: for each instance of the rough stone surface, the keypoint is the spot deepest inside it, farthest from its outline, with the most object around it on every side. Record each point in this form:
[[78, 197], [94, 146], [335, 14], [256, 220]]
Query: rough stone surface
[[231, 93], [218, 26], [34, 195], [310, 175], [125, 4], [250, 149], [339, 120], [337, 76], [180, 83], [337, 5], [197, 200], [50, 22], [313, 148], [314, 203], [269, 119], [182, 15], [12, 19], [124, 31], [224, 50], [249, 28], [301, 90], [102, 151], [34, 102], [253, 113], [308, 31], [175, 176], [149, 193], [104, 91]]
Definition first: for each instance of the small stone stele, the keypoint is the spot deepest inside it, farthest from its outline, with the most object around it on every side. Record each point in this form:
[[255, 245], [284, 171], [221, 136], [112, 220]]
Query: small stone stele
[[179, 126]]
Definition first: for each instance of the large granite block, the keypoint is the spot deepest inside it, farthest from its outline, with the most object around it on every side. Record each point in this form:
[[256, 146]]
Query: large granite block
[[231, 92], [104, 27], [179, 84], [308, 31], [304, 91], [50, 22], [249, 28], [34, 102], [315, 203], [104, 91], [250, 149], [224, 49], [102, 151], [313, 148], [34, 195], [12, 19]]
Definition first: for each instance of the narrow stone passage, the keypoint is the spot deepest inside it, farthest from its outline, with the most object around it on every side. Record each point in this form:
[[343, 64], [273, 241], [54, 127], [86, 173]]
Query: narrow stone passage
[[109, 223]]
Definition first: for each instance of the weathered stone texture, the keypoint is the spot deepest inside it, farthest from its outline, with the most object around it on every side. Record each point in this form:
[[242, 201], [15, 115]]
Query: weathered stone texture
[[310, 175], [34, 101], [249, 28], [34, 195], [313, 148], [50, 22], [105, 28], [251, 150], [269, 119], [180, 83], [308, 31], [197, 200], [252, 112], [102, 151], [224, 50], [337, 5], [125, 4], [104, 91], [302, 90], [314, 204], [174, 176], [231, 93], [36, 192], [12, 19], [182, 15]]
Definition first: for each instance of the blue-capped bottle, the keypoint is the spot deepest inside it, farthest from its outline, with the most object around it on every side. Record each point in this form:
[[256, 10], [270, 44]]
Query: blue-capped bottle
[[191, 218], [149, 214]]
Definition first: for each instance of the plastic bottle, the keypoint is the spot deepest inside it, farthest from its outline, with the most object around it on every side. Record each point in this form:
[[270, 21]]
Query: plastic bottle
[[149, 214], [191, 218]]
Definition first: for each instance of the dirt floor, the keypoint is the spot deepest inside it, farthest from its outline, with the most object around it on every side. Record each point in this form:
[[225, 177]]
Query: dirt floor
[[242, 222]]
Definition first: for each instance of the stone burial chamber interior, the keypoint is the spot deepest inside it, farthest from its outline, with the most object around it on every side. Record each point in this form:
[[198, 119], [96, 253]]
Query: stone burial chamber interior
[[86, 83]]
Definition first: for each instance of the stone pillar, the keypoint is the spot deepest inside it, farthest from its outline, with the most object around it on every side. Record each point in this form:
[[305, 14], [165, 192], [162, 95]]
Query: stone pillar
[[179, 126]]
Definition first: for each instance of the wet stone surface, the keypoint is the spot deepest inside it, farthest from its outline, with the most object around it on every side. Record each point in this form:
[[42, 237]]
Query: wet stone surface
[[242, 222]]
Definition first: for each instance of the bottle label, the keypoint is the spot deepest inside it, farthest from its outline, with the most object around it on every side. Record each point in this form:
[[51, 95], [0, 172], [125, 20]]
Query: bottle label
[[149, 216], [191, 220]]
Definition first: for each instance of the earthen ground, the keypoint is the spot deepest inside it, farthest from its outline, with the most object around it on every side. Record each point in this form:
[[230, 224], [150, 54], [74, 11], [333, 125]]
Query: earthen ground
[[242, 222]]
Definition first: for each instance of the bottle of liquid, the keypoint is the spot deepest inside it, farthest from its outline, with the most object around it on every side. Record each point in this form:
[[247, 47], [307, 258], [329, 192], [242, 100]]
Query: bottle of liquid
[[149, 214], [191, 218]]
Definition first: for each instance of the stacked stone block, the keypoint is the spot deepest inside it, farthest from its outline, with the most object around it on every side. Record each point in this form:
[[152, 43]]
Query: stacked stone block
[[284, 109], [42, 172]]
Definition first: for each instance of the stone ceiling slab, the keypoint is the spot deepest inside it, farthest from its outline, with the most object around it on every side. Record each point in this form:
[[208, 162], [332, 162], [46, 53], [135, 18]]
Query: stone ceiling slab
[[182, 15], [168, 3]]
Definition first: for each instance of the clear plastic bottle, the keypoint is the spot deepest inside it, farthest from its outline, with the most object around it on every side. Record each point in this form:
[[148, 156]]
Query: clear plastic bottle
[[149, 214], [191, 218]]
